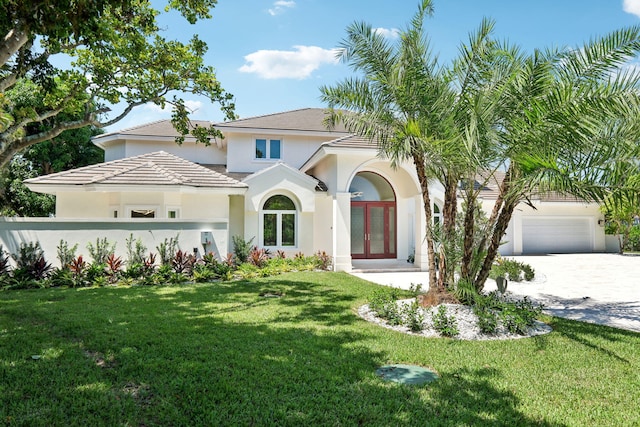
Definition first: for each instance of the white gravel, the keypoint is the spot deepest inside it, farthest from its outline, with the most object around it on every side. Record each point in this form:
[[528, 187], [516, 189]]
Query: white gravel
[[466, 323]]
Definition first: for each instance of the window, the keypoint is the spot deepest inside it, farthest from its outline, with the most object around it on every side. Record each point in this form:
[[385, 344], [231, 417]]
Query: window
[[143, 213], [437, 215], [268, 149], [279, 221], [173, 213]]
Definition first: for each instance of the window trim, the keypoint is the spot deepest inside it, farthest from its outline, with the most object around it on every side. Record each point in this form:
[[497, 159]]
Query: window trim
[[279, 214], [267, 153]]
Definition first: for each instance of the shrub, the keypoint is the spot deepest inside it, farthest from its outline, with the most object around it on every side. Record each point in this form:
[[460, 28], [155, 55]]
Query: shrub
[[465, 292], [384, 304], [258, 257], [182, 262], [30, 262], [114, 267], [414, 316], [167, 249], [5, 265], [97, 273], [519, 316], [323, 260], [632, 242], [241, 248], [511, 269], [66, 254], [203, 273], [101, 250], [446, 325], [149, 264], [484, 309], [78, 267], [62, 277], [135, 250]]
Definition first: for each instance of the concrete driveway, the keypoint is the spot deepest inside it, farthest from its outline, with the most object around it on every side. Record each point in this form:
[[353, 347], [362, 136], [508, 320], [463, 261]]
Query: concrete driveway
[[596, 288]]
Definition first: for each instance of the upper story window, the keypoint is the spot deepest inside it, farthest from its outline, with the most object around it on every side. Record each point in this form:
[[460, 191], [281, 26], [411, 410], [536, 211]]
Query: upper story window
[[268, 149]]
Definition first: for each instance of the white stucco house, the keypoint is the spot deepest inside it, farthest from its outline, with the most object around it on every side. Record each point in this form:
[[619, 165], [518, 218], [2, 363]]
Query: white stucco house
[[287, 182]]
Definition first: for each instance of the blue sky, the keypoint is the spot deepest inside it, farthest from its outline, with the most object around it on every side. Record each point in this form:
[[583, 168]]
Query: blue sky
[[273, 55]]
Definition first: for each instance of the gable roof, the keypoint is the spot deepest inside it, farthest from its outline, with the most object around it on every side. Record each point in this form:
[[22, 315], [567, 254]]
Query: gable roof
[[302, 120], [160, 128], [153, 169]]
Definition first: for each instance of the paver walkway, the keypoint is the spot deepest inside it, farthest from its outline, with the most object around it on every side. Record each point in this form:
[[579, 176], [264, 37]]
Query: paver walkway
[[596, 288]]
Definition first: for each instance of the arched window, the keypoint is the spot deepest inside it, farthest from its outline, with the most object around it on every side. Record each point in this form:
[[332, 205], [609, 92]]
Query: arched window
[[279, 221]]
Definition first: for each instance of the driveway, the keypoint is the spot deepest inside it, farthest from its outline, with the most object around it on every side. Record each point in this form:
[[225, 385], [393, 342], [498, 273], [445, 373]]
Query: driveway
[[596, 288]]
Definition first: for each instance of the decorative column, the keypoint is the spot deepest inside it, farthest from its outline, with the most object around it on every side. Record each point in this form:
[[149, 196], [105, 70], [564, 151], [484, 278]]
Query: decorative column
[[342, 232]]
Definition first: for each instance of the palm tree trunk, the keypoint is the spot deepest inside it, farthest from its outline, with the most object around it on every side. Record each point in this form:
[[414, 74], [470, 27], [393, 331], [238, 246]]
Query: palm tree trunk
[[469, 232], [418, 161], [498, 232], [449, 212]]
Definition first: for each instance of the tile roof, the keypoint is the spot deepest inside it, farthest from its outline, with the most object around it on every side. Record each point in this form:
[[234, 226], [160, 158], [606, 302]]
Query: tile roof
[[305, 119], [158, 168], [153, 129], [491, 190], [352, 141]]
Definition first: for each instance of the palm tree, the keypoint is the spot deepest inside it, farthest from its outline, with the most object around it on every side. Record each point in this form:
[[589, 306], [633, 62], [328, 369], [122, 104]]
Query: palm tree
[[419, 111], [568, 123], [553, 121], [397, 103]]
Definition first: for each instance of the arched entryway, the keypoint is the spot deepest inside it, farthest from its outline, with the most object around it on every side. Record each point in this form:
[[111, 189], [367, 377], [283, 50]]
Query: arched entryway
[[373, 217]]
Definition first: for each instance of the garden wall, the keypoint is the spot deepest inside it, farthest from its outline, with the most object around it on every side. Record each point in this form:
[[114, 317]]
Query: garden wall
[[49, 232]]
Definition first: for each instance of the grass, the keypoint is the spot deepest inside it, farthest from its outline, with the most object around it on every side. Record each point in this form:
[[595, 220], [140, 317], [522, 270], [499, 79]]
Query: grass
[[221, 354]]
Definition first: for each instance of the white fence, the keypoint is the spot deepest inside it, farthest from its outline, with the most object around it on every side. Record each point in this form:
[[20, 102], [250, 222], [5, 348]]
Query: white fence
[[49, 231]]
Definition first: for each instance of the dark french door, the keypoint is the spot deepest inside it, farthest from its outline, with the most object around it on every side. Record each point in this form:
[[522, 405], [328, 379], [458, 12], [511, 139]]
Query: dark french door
[[373, 229]]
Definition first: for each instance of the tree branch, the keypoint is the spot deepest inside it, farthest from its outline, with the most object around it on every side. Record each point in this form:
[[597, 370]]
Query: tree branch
[[12, 43]]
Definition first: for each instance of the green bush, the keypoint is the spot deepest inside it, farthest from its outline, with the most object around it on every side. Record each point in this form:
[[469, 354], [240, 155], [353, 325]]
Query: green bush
[[66, 254], [413, 316], [30, 263], [241, 248], [101, 250], [512, 270], [632, 243], [446, 325]]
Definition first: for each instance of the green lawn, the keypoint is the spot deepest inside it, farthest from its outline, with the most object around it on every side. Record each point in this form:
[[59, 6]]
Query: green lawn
[[220, 354]]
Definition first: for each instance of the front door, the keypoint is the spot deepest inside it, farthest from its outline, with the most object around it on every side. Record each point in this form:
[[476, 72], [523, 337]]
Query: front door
[[373, 229]]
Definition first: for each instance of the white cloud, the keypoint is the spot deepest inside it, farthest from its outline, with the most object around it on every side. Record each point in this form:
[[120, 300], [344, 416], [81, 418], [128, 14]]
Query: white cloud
[[281, 6], [632, 6], [288, 64], [389, 33]]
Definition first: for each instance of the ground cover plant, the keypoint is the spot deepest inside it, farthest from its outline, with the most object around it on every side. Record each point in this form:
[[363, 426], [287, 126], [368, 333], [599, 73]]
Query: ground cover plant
[[288, 350]]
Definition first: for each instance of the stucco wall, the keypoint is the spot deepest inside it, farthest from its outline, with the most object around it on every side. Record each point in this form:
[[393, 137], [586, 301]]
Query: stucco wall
[[89, 205], [49, 232], [294, 150], [189, 150]]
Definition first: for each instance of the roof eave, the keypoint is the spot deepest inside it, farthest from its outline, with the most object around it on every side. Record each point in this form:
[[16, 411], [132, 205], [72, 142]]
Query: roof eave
[[237, 189]]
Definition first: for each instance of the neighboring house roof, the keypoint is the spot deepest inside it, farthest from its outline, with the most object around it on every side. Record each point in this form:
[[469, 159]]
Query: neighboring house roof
[[152, 169], [160, 130], [491, 189], [302, 120]]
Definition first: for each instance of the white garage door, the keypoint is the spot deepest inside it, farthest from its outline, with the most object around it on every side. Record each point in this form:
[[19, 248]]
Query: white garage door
[[555, 235]]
